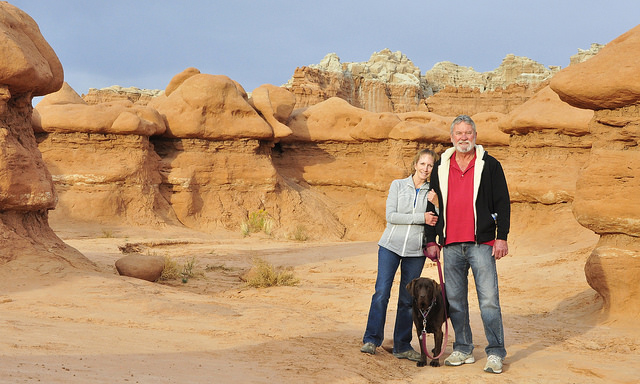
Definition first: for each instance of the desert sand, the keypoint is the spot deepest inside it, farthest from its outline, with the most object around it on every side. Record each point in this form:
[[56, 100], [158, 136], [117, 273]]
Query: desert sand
[[63, 324]]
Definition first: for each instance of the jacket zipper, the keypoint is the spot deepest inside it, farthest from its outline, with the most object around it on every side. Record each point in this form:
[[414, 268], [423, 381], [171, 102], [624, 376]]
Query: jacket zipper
[[406, 236]]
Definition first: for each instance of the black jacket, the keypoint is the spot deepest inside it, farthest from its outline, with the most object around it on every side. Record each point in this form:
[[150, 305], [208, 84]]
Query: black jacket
[[491, 196]]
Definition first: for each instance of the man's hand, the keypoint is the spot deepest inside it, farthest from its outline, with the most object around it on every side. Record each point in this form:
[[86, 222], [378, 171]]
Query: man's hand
[[433, 198], [500, 249]]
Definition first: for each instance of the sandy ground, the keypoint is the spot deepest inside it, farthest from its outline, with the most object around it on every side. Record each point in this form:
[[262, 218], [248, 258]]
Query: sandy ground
[[61, 325]]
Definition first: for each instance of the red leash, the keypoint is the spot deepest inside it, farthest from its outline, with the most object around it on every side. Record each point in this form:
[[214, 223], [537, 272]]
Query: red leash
[[423, 337]]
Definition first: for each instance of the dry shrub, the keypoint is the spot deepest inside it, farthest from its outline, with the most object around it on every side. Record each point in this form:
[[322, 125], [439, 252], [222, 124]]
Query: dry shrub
[[258, 221], [171, 271], [263, 275], [130, 248], [299, 233]]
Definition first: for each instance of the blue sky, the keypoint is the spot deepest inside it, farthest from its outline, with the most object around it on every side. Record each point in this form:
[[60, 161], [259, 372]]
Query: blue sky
[[145, 43]]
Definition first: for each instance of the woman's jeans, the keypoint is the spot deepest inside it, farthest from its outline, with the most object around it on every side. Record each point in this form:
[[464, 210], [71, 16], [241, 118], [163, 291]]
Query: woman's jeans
[[457, 260], [410, 268]]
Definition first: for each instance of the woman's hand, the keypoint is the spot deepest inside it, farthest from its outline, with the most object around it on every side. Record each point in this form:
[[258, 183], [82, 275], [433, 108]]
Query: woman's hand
[[430, 218], [432, 251]]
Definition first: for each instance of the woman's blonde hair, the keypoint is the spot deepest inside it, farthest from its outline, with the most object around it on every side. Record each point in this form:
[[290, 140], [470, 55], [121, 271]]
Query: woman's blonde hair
[[418, 155]]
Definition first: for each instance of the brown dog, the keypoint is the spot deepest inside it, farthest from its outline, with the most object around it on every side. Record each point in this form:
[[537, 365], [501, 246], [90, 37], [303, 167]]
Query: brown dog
[[427, 300]]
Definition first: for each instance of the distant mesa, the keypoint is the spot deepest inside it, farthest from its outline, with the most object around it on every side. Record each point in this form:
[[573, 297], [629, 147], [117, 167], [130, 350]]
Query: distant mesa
[[116, 92], [390, 82]]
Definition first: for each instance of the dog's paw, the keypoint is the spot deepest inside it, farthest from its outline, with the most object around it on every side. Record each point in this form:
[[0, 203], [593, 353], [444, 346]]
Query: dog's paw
[[421, 363], [435, 363]]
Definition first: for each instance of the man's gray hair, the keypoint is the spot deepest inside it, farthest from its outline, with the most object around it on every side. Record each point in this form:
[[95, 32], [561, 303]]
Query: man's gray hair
[[463, 119]]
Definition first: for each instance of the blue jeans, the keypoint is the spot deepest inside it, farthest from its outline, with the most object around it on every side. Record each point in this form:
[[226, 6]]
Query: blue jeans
[[457, 260], [410, 268]]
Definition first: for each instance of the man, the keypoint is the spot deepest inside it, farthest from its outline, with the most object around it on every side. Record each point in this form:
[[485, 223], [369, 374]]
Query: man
[[472, 230]]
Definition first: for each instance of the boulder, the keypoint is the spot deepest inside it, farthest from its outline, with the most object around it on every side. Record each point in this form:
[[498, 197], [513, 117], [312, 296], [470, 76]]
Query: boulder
[[143, 267]]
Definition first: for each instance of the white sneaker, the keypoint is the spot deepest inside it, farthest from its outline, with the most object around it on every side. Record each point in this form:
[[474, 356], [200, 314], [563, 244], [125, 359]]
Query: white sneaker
[[494, 364], [458, 358]]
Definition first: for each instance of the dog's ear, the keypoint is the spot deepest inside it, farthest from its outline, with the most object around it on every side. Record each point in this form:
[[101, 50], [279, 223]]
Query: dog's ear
[[437, 290], [410, 286], [436, 287]]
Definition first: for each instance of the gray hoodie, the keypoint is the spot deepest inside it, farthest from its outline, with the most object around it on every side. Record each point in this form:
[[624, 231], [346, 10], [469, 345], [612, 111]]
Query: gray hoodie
[[404, 234]]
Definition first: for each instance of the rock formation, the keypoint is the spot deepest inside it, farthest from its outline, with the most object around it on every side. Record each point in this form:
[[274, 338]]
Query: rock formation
[[29, 67], [388, 82], [452, 101], [214, 157], [546, 128], [513, 70], [206, 106], [197, 154], [77, 140], [118, 93], [585, 54], [65, 111], [275, 105], [606, 188]]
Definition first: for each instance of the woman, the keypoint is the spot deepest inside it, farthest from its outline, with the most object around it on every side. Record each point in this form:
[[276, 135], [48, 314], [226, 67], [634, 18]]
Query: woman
[[409, 208]]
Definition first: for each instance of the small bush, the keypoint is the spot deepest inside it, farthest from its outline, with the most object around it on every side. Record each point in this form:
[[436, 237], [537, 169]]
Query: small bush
[[267, 226], [263, 275], [244, 229], [258, 221], [300, 233], [187, 268], [190, 269], [171, 269]]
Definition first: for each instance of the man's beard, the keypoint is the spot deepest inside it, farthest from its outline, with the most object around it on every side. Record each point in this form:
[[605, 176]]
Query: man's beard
[[471, 146]]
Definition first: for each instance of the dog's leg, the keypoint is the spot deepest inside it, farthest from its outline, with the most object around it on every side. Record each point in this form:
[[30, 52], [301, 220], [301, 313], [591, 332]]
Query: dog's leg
[[437, 338], [423, 355]]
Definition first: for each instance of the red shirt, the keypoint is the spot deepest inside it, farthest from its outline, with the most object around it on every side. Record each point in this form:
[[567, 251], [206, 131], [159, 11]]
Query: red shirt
[[461, 225]]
